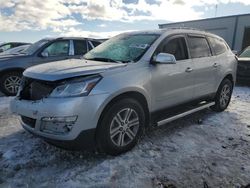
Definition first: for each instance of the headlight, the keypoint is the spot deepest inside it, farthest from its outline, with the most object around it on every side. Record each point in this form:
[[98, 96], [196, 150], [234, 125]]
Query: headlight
[[78, 87]]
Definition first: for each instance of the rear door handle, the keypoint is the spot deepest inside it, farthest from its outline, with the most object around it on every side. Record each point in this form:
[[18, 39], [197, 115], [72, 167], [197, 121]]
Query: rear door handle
[[215, 65], [189, 69]]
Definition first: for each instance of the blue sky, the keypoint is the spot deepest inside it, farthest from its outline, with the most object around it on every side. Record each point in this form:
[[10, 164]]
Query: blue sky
[[31, 20]]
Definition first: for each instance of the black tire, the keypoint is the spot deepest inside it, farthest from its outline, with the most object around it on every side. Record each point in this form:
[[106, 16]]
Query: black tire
[[219, 105], [108, 145], [4, 79]]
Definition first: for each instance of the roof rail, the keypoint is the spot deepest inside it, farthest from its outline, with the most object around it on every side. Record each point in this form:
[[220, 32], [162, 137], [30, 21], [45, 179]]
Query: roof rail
[[182, 27], [88, 38]]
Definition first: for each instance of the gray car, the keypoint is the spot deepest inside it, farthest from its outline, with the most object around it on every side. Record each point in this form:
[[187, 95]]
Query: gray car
[[43, 51], [123, 86]]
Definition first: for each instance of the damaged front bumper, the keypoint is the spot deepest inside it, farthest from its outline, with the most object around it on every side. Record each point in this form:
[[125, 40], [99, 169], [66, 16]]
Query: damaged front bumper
[[59, 119]]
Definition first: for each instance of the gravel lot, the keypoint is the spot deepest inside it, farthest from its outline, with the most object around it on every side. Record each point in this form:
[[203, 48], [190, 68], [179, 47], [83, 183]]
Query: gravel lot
[[206, 149]]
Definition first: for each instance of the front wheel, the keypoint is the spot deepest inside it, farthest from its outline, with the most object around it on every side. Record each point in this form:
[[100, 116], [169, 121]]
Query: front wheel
[[120, 127], [223, 96], [9, 83]]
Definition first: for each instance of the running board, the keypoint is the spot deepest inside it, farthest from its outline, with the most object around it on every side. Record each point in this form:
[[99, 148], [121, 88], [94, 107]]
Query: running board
[[169, 119]]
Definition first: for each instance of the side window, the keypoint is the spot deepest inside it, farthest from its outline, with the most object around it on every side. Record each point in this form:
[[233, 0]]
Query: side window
[[80, 47], [15, 45], [5, 47], [58, 48], [198, 47], [218, 46], [177, 47]]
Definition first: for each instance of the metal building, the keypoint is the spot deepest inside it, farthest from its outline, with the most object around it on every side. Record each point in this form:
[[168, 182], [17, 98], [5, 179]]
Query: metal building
[[234, 29]]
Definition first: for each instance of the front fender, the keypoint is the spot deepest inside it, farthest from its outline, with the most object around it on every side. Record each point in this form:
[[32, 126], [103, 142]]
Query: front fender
[[120, 92]]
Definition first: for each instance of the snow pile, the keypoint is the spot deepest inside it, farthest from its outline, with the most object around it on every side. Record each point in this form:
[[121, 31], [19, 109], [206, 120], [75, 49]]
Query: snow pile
[[4, 105], [205, 149]]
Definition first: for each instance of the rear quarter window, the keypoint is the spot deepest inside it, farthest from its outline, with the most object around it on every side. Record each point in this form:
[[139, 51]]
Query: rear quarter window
[[95, 43], [198, 47], [218, 46]]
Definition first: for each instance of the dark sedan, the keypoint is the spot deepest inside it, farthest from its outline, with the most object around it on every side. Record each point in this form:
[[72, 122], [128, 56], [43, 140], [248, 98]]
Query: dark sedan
[[43, 51], [243, 71]]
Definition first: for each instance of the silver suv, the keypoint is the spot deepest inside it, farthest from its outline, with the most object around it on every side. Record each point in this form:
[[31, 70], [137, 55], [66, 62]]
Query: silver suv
[[106, 100]]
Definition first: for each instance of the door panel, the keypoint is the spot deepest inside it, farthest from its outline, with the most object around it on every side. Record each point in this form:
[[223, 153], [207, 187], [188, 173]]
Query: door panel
[[203, 62], [172, 84], [205, 76], [220, 57]]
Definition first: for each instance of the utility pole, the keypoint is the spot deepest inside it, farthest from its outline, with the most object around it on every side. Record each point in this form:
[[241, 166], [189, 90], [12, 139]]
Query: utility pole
[[216, 8]]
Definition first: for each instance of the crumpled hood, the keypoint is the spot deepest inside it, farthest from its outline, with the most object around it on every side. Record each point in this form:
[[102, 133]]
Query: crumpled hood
[[68, 68]]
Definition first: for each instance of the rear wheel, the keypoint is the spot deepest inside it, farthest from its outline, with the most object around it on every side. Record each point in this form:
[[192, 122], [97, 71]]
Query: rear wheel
[[121, 127], [9, 83], [223, 96]]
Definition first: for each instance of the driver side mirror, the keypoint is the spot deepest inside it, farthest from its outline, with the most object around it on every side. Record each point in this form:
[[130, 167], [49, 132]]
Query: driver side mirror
[[45, 54], [164, 58]]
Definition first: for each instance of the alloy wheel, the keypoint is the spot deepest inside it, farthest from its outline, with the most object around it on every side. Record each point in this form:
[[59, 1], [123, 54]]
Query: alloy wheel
[[124, 127], [12, 83], [225, 95]]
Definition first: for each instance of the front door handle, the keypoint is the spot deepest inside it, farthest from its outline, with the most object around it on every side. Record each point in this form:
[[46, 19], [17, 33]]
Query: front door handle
[[189, 69]]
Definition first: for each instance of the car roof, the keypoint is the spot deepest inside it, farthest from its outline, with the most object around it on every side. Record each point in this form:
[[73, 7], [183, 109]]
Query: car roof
[[69, 38], [173, 30]]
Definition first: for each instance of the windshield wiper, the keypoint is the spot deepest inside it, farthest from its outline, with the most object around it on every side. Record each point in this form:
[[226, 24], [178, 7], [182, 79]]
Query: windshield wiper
[[128, 61], [104, 59]]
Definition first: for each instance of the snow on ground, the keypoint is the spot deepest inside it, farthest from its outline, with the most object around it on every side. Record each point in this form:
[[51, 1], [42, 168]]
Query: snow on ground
[[214, 152]]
